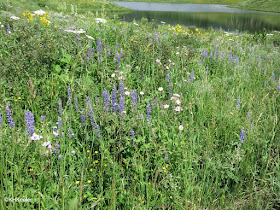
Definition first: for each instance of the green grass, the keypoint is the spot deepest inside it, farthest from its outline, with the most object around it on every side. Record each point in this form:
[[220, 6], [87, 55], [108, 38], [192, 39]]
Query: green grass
[[188, 159], [261, 5]]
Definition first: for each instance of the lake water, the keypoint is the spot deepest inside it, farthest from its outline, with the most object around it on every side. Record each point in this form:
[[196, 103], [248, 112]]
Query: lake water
[[202, 15]]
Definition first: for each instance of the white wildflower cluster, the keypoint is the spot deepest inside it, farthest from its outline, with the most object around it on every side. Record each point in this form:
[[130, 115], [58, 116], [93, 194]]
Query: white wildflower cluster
[[100, 20]]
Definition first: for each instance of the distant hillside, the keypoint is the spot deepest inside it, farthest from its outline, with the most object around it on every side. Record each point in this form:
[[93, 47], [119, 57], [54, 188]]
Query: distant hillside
[[262, 5]]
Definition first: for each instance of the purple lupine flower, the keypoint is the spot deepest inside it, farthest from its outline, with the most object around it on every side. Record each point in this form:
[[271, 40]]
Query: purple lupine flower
[[114, 99], [99, 46], [273, 77], [205, 53], [89, 43], [200, 62], [69, 95], [59, 123], [70, 133], [132, 135], [88, 55], [106, 100], [60, 156], [0, 120], [29, 119], [76, 104], [83, 117], [249, 117], [165, 156], [242, 136], [207, 69], [88, 100], [167, 78], [149, 113], [140, 116], [192, 76], [278, 87], [238, 102], [117, 46], [118, 61], [96, 127], [43, 118], [9, 29], [134, 99], [60, 107], [121, 53], [57, 146], [9, 116], [109, 53], [121, 103], [169, 90], [121, 89]]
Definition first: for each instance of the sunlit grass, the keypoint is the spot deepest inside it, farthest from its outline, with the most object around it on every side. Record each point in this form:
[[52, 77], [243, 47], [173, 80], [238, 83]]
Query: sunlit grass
[[136, 115]]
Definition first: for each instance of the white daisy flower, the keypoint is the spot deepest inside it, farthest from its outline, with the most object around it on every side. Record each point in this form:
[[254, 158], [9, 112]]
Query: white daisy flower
[[100, 20], [40, 12], [166, 106], [178, 109], [160, 89], [181, 127], [141, 93]]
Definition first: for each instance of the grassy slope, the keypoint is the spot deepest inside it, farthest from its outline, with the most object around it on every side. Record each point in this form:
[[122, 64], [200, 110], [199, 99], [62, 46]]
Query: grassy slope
[[261, 5], [80, 6]]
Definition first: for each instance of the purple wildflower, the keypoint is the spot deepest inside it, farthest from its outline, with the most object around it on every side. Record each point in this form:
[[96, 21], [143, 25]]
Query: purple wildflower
[[149, 112], [29, 119], [76, 104], [60, 107], [70, 133], [117, 46], [114, 99], [167, 78], [9, 29], [207, 69], [140, 116], [165, 156], [9, 116], [242, 136], [169, 90], [192, 76], [121, 89], [121, 102], [69, 95], [118, 61], [238, 102], [132, 135], [205, 53], [0, 120], [106, 100], [59, 123], [43, 118], [109, 53], [96, 127], [60, 156], [99, 46], [134, 99], [273, 77]]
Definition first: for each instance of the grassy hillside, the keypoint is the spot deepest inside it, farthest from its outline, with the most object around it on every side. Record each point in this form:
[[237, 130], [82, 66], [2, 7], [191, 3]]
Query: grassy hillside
[[262, 5], [107, 114]]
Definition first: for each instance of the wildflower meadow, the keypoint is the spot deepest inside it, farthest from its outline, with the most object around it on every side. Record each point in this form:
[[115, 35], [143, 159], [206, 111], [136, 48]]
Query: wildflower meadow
[[97, 112]]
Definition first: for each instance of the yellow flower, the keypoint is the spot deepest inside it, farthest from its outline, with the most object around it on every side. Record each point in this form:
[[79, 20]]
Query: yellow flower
[[89, 181], [88, 151], [171, 197], [31, 169], [90, 169], [96, 161], [55, 25], [105, 165], [96, 152], [19, 98], [47, 14], [77, 182], [166, 166]]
